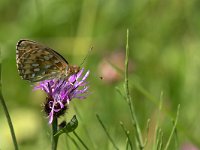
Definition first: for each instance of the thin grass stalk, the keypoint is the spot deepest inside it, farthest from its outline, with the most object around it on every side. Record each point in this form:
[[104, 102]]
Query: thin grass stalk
[[127, 143], [173, 129], [127, 135], [155, 145], [176, 137], [160, 145], [147, 132], [106, 131], [2, 101], [128, 97], [85, 128], [74, 141], [67, 143], [80, 140]]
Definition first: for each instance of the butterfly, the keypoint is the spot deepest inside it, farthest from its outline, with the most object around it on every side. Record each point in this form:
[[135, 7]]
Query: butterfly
[[37, 62]]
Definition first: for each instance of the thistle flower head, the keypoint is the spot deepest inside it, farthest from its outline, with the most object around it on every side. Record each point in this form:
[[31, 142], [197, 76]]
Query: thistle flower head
[[61, 91]]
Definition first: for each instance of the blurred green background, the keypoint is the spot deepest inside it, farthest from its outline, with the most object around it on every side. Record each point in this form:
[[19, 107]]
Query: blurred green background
[[164, 57]]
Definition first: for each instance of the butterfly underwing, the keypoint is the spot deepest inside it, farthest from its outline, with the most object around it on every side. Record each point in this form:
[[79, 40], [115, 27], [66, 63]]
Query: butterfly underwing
[[37, 62]]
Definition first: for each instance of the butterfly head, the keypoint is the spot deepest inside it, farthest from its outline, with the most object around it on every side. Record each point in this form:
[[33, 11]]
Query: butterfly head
[[73, 69]]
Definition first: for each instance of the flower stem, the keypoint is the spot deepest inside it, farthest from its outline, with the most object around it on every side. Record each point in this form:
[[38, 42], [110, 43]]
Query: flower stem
[[7, 113], [54, 139]]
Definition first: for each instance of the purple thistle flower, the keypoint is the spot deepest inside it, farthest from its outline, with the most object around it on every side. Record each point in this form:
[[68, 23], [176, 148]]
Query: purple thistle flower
[[61, 91]]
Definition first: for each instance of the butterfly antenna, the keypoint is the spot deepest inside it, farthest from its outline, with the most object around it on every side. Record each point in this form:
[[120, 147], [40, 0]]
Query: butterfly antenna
[[86, 56]]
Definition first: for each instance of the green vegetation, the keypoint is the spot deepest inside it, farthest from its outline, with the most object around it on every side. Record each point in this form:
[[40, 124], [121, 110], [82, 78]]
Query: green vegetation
[[163, 72]]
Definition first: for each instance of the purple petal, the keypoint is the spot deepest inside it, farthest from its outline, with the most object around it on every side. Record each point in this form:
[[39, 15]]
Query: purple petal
[[62, 91], [50, 117], [72, 78], [80, 73], [86, 75]]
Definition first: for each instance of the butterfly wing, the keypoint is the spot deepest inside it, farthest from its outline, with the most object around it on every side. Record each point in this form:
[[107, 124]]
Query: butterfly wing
[[36, 62]]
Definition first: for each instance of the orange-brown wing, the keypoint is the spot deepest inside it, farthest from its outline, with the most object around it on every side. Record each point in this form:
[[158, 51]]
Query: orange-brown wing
[[36, 62]]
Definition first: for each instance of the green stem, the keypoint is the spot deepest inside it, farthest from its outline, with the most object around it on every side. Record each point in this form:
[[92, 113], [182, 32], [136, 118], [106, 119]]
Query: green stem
[[85, 128], [128, 97], [127, 135], [106, 131], [80, 140], [173, 129], [75, 143], [54, 139], [6, 112], [9, 121]]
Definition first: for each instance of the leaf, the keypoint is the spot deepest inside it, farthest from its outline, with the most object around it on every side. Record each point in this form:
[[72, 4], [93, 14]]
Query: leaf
[[69, 127]]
